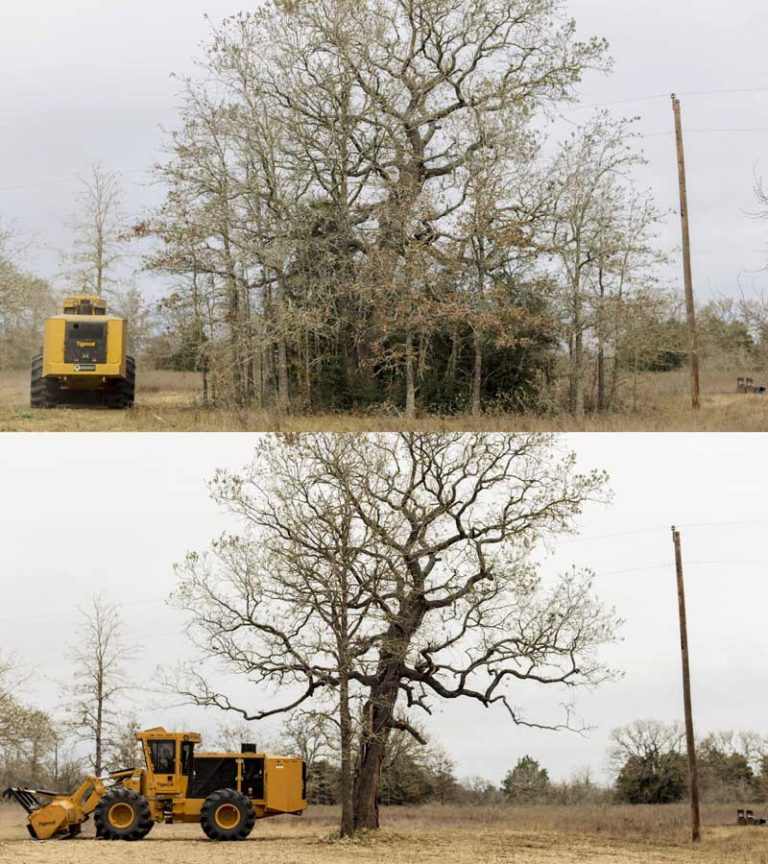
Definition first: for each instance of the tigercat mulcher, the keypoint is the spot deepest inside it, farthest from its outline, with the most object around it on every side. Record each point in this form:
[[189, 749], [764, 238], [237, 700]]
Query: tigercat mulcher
[[225, 792], [83, 359]]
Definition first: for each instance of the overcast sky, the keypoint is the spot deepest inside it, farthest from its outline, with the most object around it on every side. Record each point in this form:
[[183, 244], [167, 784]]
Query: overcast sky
[[91, 79], [80, 513]]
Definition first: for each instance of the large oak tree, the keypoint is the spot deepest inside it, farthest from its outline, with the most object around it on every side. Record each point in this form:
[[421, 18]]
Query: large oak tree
[[375, 576]]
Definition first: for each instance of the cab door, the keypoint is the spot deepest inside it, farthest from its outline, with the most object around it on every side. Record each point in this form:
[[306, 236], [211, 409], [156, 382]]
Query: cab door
[[163, 760]]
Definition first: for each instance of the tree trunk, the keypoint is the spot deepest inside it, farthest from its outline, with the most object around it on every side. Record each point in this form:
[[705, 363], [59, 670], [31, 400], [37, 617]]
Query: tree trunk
[[612, 389], [602, 395], [577, 376], [247, 346], [97, 766], [477, 374], [423, 351], [307, 372], [453, 359], [576, 370], [347, 828], [410, 383], [366, 788], [282, 376], [283, 400], [234, 344], [379, 711]]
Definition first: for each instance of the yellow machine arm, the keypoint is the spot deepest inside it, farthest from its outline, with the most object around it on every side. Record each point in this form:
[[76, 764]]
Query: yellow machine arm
[[63, 814]]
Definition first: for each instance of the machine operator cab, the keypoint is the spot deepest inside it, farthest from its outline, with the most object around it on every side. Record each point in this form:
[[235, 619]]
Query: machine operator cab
[[169, 758], [84, 304]]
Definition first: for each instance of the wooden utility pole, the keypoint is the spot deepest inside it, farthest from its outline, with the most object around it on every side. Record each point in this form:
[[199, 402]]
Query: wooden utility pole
[[687, 273], [690, 742]]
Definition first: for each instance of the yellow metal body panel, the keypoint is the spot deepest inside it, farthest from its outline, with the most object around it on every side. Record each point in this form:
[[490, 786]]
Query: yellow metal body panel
[[283, 785], [53, 350]]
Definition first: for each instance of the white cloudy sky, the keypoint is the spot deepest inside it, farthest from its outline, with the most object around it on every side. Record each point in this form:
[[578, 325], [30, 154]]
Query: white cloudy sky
[[80, 513], [91, 79]]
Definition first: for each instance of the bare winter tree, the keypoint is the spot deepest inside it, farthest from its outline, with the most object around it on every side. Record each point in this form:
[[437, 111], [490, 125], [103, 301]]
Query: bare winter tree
[[230, 736], [376, 575], [96, 233], [124, 750], [27, 734], [9, 707], [99, 659], [310, 735], [25, 301], [495, 235], [358, 123], [600, 236], [645, 738]]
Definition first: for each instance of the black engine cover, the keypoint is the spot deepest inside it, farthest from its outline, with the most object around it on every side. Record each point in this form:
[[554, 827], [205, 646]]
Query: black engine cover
[[85, 342], [210, 773]]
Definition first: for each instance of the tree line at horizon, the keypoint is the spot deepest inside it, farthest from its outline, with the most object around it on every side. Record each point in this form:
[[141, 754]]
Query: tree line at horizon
[[39, 749]]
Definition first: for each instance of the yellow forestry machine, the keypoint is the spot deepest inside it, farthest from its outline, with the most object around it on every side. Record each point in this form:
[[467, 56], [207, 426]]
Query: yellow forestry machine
[[83, 359], [225, 792]]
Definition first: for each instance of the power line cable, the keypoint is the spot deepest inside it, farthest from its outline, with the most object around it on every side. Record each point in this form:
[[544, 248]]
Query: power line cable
[[670, 564], [653, 96], [654, 528]]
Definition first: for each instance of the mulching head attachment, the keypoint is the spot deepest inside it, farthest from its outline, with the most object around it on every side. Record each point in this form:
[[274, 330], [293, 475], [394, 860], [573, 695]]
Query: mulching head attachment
[[27, 797]]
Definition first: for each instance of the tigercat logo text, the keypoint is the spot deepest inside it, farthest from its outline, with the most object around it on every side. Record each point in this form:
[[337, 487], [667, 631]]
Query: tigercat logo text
[[86, 344]]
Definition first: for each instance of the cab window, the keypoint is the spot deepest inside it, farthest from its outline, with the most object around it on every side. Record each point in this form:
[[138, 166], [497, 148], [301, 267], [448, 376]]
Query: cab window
[[163, 754], [187, 753]]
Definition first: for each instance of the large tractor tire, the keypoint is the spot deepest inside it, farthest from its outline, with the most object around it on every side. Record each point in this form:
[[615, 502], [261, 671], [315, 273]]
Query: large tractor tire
[[123, 814], [227, 815], [122, 391], [43, 392]]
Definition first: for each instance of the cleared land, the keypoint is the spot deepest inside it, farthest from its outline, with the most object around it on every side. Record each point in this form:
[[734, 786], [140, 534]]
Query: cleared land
[[428, 835], [170, 401]]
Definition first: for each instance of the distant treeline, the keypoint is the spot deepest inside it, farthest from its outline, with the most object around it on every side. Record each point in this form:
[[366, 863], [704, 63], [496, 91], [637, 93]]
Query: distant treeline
[[648, 760]]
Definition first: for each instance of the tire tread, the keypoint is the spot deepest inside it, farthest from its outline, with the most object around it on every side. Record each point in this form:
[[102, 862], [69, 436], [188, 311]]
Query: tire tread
[[227, 796]]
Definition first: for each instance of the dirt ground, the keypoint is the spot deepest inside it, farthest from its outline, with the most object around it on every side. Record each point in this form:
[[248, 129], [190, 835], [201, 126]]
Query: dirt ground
[[170, 402], [427, 835]]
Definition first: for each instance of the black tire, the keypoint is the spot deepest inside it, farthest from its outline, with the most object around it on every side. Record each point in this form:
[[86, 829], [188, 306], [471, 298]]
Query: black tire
[[130, 381], [43, 392], [120, 392], [123, 814], [227, 815]]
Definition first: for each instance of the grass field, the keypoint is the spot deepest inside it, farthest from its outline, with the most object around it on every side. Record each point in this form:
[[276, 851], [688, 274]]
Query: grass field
[[427, 835], [169, 401]]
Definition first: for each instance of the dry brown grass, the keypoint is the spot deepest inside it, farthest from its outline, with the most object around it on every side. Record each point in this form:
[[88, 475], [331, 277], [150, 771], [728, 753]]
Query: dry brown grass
[[169, 401], [428, 835]]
